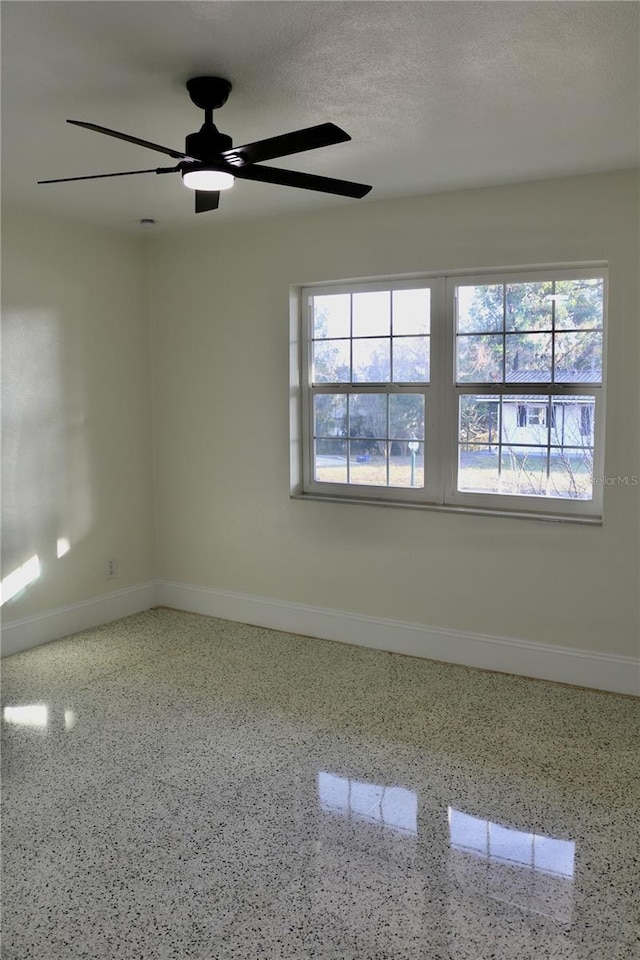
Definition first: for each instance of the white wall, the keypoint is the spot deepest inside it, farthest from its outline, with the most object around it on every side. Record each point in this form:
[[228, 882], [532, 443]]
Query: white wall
[[76, 412], [224, 517]]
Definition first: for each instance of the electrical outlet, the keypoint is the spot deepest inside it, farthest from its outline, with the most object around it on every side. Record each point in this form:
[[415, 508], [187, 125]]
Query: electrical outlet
[[110, 569]]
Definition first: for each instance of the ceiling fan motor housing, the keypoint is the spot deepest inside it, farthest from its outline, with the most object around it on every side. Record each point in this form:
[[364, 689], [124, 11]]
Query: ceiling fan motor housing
[[207, 144]]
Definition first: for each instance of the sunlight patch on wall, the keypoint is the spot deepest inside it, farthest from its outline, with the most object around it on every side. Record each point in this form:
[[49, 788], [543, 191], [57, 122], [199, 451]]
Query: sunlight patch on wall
[[62, 546], [47, 484], [20, 578]]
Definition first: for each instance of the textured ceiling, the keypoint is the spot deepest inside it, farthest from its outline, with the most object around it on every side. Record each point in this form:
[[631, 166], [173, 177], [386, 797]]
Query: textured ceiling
[[436, 96]]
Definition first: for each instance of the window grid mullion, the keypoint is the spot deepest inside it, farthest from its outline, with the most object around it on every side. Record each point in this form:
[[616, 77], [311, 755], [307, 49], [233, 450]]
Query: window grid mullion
[[350, 338], [351, 384], [553, 331], [548, 466], [348, 438], [504, 333], [391, 369], [500, 416], [388, 441]]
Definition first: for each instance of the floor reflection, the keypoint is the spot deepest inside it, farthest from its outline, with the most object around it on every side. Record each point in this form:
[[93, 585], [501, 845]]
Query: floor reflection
[[525, 869], [70, 719], [49, 718], [393, 807], [29, 715]]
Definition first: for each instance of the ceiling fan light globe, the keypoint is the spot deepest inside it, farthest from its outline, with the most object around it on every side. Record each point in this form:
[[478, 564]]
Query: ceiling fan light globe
[[208, 180]]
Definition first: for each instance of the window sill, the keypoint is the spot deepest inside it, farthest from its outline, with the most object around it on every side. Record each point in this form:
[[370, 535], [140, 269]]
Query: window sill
[[441, 508]]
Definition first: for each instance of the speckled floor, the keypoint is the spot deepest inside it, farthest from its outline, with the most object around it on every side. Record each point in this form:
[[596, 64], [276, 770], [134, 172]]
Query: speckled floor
[[182, 787]]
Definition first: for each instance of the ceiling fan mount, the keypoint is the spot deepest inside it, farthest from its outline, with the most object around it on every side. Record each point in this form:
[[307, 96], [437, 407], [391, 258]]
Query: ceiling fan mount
[[209, 93], [211, 163]]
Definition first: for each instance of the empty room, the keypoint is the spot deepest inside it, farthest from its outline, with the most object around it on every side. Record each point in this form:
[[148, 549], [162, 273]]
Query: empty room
[[320, 480]]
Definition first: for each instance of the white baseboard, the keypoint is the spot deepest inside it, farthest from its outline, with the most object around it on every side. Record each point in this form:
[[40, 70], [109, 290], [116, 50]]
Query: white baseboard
[[546, 662], [53, 624]]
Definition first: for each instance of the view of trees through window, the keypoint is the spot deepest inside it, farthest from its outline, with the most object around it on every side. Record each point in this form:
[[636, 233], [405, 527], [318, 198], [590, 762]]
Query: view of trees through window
[[527, 366], [540, 332], [528, 333], [382, 337]]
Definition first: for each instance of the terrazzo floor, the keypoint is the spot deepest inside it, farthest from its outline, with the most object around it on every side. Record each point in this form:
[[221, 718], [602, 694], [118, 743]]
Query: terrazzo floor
[[182, 787]]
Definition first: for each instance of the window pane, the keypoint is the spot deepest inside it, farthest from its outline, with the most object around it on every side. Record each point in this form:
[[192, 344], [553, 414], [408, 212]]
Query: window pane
[[528, 306], [571, 473], [330, 461], [368, 416], [574, 422], [478, 469], [372, 314], [528, 357], [371, 360], [578, 357], [579, 304], [523, 471], [411, 311], [368, 462], [330, 415], [332, 316], [406, 416], [480, 309], [331, 361], [479, 359], [411, 359], [479, 420], [406, 464]]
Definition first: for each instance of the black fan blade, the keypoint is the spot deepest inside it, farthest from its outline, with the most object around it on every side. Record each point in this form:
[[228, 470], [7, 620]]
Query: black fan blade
[[101, 176], [207, 200], [306, 181], [176, 154], [297, 142]]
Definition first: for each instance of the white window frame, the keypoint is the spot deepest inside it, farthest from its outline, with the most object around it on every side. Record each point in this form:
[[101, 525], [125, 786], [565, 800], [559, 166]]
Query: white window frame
[[430, 390], [442, 395]]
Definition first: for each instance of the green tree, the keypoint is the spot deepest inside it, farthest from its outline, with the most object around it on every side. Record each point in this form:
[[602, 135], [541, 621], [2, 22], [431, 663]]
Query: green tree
[[512, 324]]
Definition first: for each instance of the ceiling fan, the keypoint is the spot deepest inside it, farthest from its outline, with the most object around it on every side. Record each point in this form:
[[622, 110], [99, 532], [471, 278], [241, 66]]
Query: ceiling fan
[[211, 163]]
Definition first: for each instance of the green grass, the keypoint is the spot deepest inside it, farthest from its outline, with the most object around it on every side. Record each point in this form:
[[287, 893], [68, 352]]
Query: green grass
[[522, 475], [374, 473], [570, 477]]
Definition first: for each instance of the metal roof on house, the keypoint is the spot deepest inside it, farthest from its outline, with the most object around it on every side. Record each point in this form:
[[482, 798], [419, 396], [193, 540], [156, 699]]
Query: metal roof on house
[[572, 399], [532, 376]]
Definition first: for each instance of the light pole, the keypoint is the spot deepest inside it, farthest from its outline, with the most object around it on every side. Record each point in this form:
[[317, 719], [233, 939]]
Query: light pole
[[413, 447]]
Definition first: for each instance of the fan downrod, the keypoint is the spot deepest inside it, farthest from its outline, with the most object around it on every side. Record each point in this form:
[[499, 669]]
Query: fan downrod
[[208, 93]]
